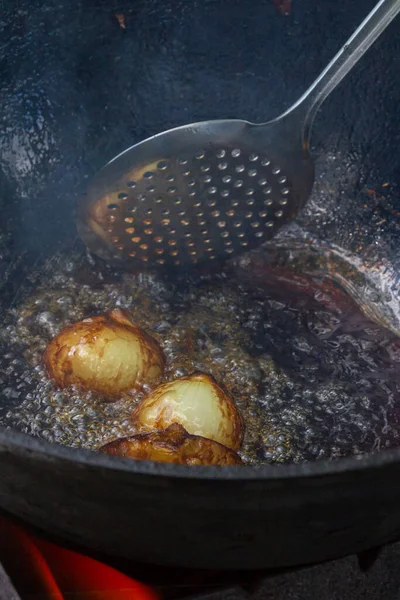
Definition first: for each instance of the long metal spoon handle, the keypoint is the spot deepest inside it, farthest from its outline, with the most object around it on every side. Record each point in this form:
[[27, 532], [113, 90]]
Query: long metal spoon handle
[[366, 34]]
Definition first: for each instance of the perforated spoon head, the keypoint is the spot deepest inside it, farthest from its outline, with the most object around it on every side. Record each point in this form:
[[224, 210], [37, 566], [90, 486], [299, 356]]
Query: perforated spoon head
[[196, 194], [211, 190]]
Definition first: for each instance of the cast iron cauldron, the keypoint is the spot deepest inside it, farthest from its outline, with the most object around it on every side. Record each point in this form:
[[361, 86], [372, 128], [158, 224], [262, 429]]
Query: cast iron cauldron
[[76, 89]]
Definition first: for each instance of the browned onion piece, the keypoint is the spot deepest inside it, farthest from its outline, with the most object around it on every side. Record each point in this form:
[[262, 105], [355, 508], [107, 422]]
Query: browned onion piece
[[173, 445], [108, 354], [199, 404]]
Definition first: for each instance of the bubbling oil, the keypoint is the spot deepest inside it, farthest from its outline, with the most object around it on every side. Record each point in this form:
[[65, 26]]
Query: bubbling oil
[[313, 378]]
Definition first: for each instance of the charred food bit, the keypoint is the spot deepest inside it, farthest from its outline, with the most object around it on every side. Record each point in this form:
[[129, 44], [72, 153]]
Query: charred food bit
[[283, 6], [121, 20], [199, 404], [173, 445], [107, 354]]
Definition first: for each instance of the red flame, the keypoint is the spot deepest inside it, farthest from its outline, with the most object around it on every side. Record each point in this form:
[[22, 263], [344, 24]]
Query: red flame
[[41, 569]]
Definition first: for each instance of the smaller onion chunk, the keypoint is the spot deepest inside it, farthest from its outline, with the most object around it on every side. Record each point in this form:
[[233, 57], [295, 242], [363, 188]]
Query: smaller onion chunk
[[107, 354], [173, 445], [197, 403]]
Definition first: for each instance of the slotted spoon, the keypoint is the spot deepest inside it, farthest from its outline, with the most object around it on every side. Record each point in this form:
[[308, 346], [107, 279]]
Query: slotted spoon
[[211, 190]]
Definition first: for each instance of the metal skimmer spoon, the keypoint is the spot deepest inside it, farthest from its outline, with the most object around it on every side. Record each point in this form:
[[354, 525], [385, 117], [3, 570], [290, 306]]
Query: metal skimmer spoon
[[211, 190]]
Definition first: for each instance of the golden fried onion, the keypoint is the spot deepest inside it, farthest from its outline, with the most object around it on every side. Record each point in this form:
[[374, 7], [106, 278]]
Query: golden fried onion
[[199, 404], [108, 354], [173, 445]]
